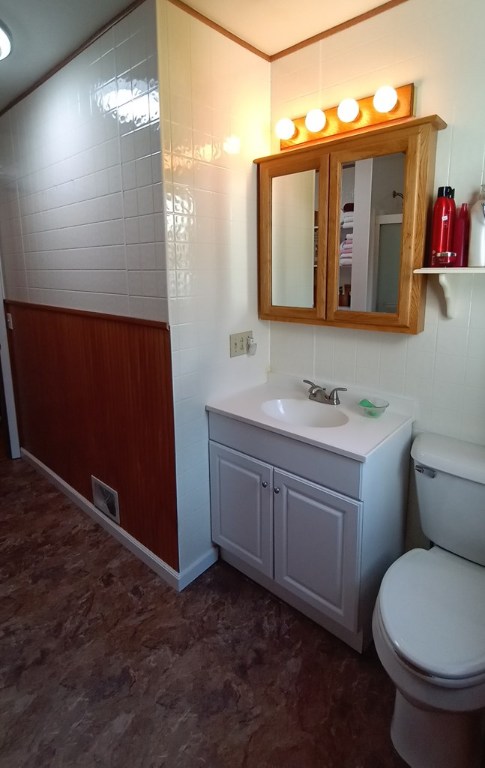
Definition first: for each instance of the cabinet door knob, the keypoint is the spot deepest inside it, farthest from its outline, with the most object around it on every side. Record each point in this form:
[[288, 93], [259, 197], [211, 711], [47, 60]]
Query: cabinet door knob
[[264, 484], [276, 490]]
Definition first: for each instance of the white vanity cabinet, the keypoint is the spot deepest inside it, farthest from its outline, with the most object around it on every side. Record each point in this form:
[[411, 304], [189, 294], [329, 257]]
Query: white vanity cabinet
[[317, 528], [302, 535]]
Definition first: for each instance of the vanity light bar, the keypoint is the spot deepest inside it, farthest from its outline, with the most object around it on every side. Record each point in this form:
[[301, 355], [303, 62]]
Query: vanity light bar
[[367, 116]]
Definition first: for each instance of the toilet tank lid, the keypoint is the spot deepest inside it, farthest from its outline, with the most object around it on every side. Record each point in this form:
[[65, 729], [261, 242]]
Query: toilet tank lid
[[446, 454]]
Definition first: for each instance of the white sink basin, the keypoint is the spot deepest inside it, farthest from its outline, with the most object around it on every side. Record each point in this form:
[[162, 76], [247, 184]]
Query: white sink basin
[[304, 413]]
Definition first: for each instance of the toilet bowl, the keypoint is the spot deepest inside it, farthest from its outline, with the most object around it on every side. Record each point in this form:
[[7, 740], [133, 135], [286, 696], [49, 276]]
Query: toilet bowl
[[429, 619]]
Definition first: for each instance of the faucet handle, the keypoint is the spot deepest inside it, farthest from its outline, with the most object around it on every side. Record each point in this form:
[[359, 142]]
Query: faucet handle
[[333, 395], [313, 387]]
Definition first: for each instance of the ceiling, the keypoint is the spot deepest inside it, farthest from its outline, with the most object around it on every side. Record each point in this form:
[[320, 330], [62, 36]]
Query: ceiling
[[46, 32]]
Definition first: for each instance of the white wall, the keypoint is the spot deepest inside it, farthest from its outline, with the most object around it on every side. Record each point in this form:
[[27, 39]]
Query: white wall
[[438, 45], [213, 89], [81, 195]]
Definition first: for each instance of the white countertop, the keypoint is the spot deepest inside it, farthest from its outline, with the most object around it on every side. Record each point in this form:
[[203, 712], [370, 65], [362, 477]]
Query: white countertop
[[356, 439]]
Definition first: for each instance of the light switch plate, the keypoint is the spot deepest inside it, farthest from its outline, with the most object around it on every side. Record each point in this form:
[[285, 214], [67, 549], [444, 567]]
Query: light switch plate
[[239, 343]]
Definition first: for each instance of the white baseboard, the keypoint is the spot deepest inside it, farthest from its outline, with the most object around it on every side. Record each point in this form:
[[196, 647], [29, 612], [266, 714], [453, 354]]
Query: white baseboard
[[199, 566], [175, 579]]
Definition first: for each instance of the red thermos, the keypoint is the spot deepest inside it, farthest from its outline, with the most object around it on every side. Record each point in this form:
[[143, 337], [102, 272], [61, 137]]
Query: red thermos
[[444, 213]]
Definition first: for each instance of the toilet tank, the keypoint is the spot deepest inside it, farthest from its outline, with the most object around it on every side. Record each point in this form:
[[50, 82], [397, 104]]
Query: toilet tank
[[450, 486]]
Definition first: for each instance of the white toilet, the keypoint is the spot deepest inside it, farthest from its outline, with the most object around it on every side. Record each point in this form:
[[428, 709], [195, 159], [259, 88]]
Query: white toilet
[[429, 618]]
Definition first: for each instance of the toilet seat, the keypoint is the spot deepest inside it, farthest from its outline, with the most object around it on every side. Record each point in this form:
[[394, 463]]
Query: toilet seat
[[432, 608]]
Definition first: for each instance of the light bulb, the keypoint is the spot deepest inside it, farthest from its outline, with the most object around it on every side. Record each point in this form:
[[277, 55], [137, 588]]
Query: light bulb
[[315, 120], [285, 128], [347, 110], [385, 98], [5, 44]]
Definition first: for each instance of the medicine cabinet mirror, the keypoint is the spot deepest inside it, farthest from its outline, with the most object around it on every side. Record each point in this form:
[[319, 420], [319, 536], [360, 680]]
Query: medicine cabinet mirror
[[342, 226]]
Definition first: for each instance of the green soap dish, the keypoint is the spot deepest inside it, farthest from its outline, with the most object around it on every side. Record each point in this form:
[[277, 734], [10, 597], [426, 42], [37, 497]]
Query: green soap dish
[[375, 407], [366, 404]]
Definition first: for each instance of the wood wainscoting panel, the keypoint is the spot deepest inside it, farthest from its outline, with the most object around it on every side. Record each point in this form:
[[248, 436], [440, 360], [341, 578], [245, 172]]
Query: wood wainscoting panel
[[94, 397]]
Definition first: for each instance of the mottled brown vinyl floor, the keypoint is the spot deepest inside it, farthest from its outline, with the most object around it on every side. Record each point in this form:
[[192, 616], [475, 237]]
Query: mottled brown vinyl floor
[[101, 664]]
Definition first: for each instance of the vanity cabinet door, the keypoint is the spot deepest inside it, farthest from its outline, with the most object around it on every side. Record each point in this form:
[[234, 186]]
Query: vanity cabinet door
[[317, 546], [241, 506]]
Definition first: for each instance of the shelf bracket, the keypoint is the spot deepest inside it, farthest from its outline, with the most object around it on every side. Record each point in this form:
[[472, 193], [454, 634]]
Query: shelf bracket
[[446, 276], [450, 299]]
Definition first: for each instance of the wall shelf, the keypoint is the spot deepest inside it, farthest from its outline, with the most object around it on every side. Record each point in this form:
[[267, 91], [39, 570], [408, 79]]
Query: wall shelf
[[445, 279]]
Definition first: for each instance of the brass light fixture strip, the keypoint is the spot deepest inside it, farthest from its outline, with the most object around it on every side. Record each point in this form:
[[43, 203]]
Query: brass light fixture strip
[[367, 117]]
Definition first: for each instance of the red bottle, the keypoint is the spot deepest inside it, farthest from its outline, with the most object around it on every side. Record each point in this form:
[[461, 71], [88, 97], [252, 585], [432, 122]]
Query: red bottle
[[444, 213], [461, 236]]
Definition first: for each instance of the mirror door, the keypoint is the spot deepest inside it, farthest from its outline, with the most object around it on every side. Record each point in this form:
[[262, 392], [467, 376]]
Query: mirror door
[[368, 254], [293, 193]]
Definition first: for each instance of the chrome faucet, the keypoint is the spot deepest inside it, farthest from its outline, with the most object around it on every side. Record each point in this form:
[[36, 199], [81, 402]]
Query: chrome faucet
[[319, 394]]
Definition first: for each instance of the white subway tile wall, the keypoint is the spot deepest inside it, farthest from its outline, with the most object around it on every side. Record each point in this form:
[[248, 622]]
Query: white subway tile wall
[[82, 156], [444, 367], [216, 121]]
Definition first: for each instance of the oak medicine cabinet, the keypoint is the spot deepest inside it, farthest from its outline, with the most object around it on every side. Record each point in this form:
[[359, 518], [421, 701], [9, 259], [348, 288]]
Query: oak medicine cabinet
[[342, 226]]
